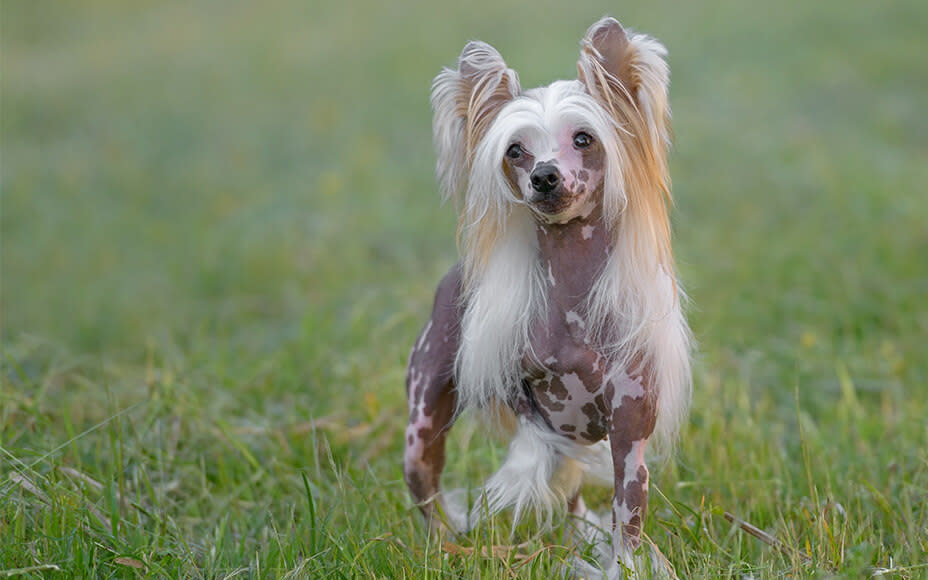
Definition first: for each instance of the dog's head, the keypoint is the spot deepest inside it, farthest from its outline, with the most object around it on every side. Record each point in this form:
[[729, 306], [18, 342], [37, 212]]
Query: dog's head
[[560, 150]]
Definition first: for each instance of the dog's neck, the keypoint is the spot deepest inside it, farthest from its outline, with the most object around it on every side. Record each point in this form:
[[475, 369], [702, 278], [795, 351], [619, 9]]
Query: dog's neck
[[573, 255]]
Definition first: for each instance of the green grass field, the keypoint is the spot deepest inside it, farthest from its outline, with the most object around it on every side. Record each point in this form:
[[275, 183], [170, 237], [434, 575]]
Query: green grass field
[[221, 234]]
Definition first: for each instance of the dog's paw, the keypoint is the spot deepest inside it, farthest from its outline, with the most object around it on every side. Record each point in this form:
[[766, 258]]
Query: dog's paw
[[645, 563], [453, 512]]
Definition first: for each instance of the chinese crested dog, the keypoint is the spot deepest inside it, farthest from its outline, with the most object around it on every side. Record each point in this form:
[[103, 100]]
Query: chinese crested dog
[[563, 316]]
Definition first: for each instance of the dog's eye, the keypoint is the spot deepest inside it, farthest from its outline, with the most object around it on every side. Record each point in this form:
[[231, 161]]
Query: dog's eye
[[514, 151], [582, 140]]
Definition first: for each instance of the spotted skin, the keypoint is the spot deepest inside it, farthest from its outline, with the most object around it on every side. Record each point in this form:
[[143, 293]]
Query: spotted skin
[[566, 383], [578, 392], [431, 396]]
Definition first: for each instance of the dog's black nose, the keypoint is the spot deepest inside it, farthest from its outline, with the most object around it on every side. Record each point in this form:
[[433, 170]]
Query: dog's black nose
[[545, 178]]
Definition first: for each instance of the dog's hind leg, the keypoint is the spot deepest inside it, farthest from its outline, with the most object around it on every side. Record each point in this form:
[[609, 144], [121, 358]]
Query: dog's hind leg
[[431, 397]]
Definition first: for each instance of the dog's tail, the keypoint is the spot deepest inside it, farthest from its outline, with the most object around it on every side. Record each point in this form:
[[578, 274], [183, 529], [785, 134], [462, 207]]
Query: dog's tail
[[541, 472]]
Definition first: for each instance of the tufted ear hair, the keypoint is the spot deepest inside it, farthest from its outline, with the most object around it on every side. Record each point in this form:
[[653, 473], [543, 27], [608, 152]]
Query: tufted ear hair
[[465, 101], [627, 74]]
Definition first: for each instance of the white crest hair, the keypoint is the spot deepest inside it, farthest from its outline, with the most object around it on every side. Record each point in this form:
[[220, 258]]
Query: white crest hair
[[634, 312]]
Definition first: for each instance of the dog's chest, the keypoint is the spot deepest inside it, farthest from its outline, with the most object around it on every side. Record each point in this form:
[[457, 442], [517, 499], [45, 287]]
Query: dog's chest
[[565, 380]]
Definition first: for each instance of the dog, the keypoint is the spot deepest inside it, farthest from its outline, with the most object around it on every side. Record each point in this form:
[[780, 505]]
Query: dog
[[563, 313]]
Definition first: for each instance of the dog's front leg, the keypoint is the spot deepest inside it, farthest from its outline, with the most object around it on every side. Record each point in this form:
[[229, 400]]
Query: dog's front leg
[[632, 422], [431, 414], [431, 396]]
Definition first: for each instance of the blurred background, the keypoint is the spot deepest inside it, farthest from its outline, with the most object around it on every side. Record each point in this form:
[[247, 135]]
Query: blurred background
[[227, 171], [231, 206]]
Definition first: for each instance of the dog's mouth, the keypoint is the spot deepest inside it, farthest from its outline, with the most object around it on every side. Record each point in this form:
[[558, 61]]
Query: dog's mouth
[[553, 204]]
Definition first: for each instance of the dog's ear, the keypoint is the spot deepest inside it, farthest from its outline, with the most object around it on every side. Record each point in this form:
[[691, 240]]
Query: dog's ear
[[629, 77], [465, 101], [606, 44]]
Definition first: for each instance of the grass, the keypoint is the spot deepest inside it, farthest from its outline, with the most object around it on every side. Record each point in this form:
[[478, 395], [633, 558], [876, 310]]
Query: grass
[[220, 235]]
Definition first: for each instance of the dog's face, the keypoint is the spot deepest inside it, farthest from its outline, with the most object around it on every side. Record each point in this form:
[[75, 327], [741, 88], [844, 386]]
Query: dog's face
[[562, 151], [553, 157]]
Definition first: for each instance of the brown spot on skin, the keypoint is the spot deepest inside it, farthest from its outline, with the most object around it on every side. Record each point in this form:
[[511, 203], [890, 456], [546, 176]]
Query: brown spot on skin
[[594, 432], [636, 495], [568, 428], [632, 420], [632, 531], [558, 389], [410, 440], [589, 410], [594, 158], [592, 386], [595, 427], [546, 402]]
